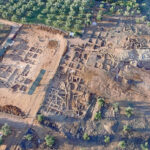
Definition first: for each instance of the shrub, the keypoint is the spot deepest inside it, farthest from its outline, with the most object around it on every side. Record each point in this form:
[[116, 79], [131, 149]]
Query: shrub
[[107, 139], [144, 18], [148, 23], [14, 18], [144, 5], [126, 128], [119, 12], [86, 137], [5, 129], [28, 137], [132, 13], [50, 140], [39, 16], [129, 112], [98, 116], [40, 118], [101, 102], [126, 13], [116, 107], [144, 146], [122, 144], [99, 17], [138, 11], [23, 20], [138, 20], [112, 9], [101, 5]]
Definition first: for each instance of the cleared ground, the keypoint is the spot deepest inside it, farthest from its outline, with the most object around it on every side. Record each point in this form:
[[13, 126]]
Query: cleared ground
[[23, 62], [111, 60]]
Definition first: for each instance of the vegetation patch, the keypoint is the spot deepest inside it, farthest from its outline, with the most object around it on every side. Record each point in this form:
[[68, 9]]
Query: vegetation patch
[[68, 15]]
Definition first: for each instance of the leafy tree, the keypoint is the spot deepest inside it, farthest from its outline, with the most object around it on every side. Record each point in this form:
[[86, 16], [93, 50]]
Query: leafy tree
[[51, 17], [40, 118], [28, 137], [129, 112], [98, 116], [122, 144], [116, 107], [77, 27], [48, 22], [39, 16], [5, 129], [112, 9], [44, 11], [101, 102], [23, 20], [101, 5], [18, 12], [148, 23], [72, 13], [99, 17], [82, 9], [50, 140], [5, 15], [30, 14], [144, 146], [88, 16], [86, 137], [107, 139], [126, 128]]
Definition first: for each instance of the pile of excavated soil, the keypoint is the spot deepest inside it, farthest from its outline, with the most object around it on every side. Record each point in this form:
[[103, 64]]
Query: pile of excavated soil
[[11, 110]]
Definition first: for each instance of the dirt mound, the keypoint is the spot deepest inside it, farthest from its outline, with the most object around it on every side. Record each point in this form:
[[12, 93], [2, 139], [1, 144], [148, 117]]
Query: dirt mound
[[12, 110], [48, 29], [52, 44]]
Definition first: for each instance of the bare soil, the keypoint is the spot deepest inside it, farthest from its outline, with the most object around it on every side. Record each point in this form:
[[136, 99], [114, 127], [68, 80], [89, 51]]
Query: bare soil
[[21, 65]]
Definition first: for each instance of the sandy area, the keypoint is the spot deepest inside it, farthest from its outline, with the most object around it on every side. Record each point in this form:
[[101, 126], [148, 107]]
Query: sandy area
[[48, 60]]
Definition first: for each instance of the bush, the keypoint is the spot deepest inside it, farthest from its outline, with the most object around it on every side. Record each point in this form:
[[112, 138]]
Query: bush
[[116, 107], [138, 20], [144, 18], [28, 137], [119, 12], [39, 16], [144, 146], [14, 18], [24, 20], [126, 13], [40, 118], [148, 23], [126, 128], [101, 102], [50, 140], [122, 144], [86, 137], [101, 5], [5, 129], [129, 112], [99, 17], [112, 9], [98, 116], [107, 139]]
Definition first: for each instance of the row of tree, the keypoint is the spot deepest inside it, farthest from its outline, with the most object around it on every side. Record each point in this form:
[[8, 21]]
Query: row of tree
[[67, 14]]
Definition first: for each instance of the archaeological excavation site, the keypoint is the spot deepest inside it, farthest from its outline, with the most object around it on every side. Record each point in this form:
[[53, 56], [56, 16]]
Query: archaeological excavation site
[[75, 81]]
